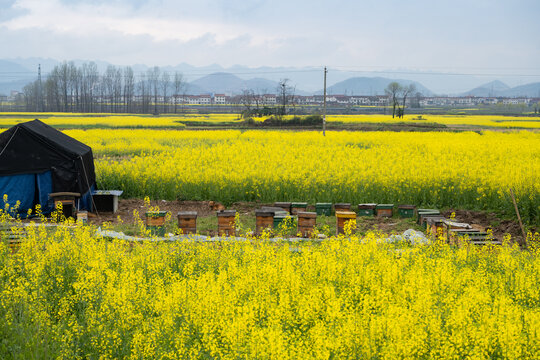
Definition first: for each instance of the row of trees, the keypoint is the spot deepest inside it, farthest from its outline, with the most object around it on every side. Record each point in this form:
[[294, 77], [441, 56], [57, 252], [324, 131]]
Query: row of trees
[[70, 88]]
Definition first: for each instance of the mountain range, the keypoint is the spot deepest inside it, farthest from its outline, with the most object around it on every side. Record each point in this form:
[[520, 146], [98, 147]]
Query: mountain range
[[15, 73], [370, 86], [498, 88]]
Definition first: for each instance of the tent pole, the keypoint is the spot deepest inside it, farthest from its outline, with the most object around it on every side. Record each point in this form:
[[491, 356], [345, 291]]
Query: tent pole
[[89, 188]]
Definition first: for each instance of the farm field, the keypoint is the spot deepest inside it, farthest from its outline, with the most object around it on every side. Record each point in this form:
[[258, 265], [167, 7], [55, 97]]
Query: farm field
[[469, 170], [67, 292], [88, 121], [459, 170], [70, 294]]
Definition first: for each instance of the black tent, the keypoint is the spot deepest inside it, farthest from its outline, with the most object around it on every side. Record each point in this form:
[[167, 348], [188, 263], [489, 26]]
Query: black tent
[[36, 160]]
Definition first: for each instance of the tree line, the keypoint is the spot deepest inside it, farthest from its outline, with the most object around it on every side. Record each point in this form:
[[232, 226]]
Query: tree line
[[71, 88]]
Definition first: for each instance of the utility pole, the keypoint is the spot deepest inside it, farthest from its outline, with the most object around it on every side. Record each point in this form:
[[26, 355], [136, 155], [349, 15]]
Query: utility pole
[[324, 101], [40, 96]]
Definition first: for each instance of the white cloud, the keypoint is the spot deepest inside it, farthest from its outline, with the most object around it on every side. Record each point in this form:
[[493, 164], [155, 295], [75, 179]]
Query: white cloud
[[85, 20], [262, 32]]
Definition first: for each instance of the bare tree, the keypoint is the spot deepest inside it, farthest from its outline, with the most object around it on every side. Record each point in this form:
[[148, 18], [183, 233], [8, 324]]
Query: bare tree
[[179, 86], [117, 89], [129, 89], [108, 86], [392, 91], [153, 79], [90, 85], [63, 77], [31, 94], [165, 84], [76, 86], [247, 101], [145, 90], [286, 96], [406, 91], [52, 90]]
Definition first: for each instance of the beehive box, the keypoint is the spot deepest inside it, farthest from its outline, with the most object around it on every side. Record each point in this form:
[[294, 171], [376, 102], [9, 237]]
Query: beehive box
[[298, 206], [306, 223], [286, 206], [82, 217], [406, 211], [366, 209], [264, 220], [226, 222], [342, 217], [422, 215], [156, 230], [384, 210], [187, 222], [323, 209], [279, 218], [342, 207], [155, 218], [435, 226]]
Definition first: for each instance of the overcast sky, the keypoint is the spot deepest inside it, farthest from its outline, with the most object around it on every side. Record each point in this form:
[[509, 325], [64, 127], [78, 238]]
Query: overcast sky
[[471, 35]]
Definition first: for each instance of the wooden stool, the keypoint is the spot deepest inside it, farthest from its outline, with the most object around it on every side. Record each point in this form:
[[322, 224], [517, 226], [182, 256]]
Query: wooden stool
[[67, 200]]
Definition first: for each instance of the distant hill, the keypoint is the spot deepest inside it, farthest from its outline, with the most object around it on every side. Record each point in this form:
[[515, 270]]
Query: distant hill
[[370, 86], [226, 83], [529, 90], [497, 88], [14, 76], [7, 86], [7, 66], [17, 72], [493, 88]]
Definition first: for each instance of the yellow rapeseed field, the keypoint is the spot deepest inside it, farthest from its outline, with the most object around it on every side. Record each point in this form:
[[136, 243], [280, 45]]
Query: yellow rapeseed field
[[68, 294], [467, 170], [496, 121], [73, 120], [68, 120]]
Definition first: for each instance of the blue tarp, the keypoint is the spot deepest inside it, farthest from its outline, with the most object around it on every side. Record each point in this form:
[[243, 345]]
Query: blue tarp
[[85, 202], [23, 188], [44, 185], [18, 188]]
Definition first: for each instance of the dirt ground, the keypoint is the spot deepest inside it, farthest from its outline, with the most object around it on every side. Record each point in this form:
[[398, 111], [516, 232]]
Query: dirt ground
[[499, 226], [126, 209]]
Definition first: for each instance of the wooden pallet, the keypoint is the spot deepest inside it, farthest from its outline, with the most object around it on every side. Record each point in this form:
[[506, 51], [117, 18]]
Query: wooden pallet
[[11, 237]]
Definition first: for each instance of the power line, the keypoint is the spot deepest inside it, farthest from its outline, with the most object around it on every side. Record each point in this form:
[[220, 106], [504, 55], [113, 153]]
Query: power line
[[367, 69]]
